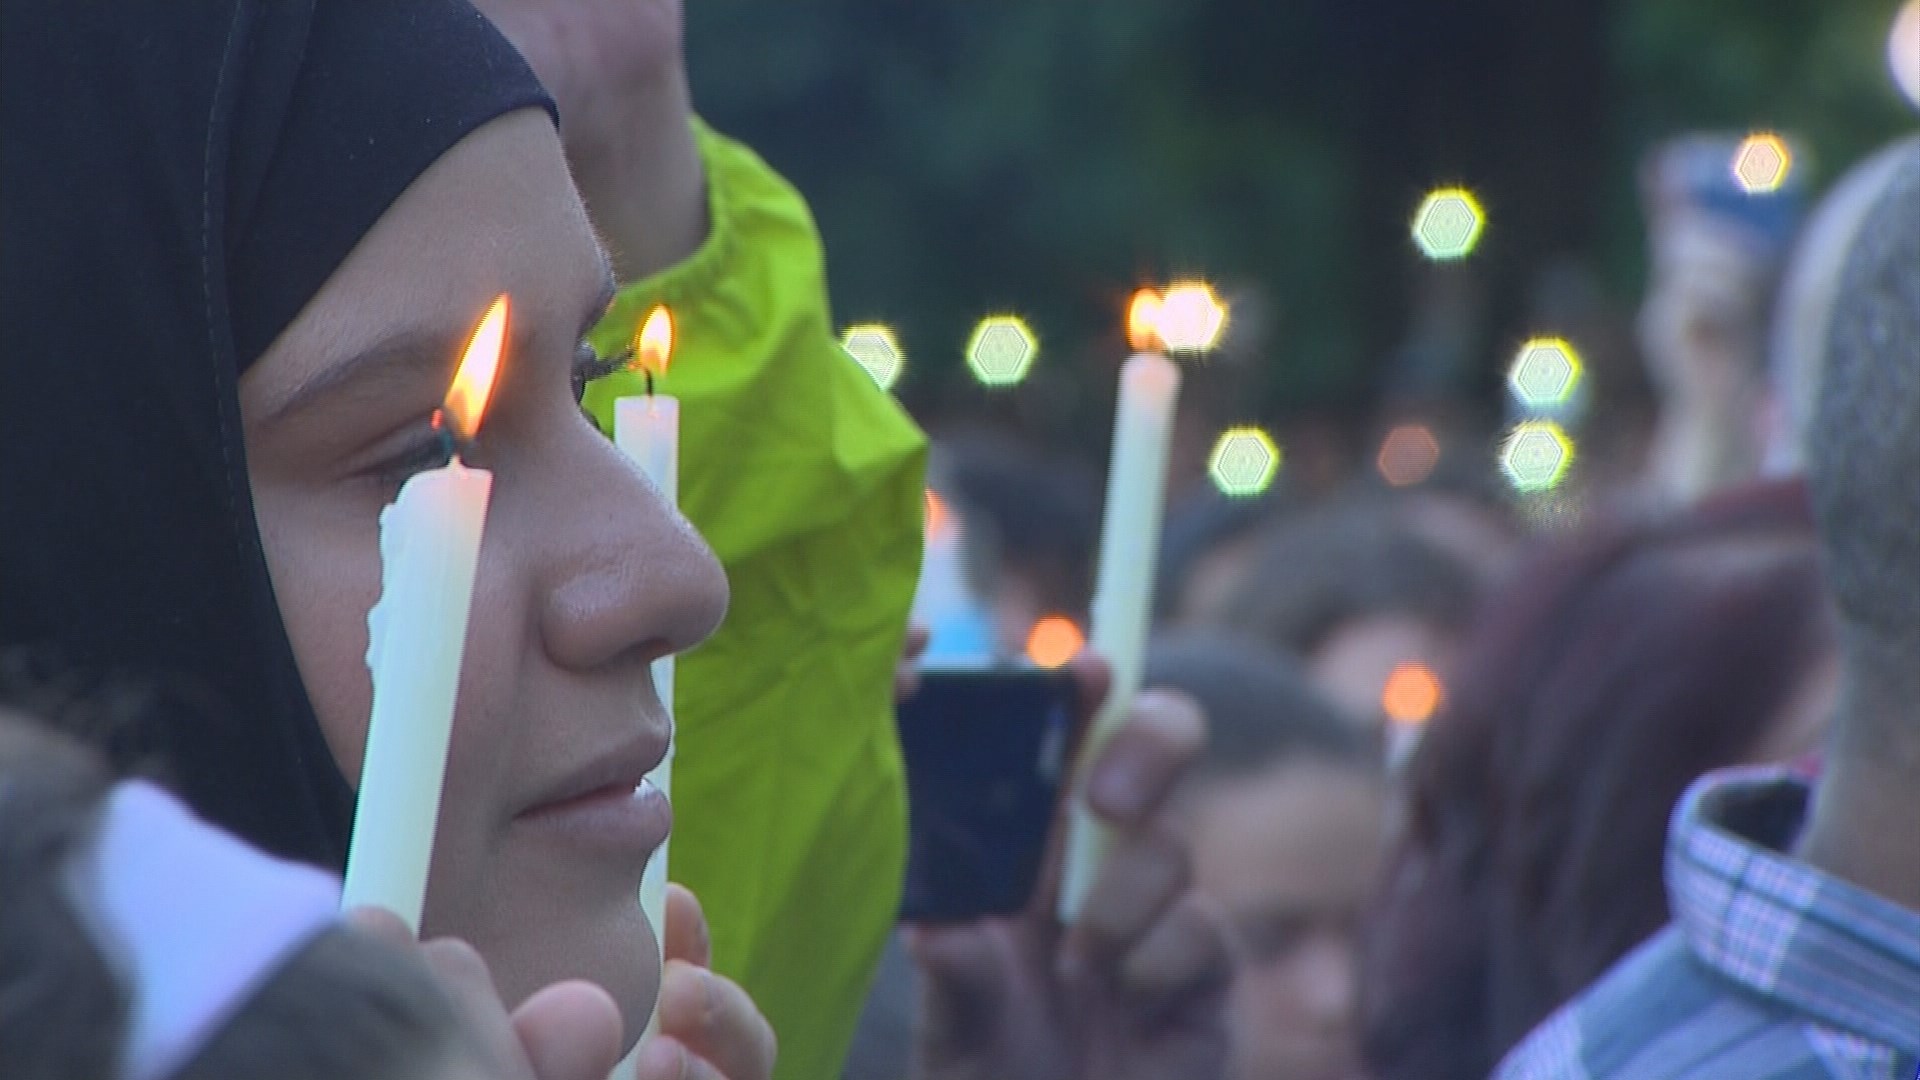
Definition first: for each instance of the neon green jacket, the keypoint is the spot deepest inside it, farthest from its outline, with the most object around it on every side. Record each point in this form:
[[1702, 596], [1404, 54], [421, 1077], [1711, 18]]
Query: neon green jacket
[[807, 479]]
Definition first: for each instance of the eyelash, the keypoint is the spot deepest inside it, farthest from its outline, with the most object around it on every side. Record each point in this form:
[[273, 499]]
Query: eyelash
[[589, 365], [431, 452]]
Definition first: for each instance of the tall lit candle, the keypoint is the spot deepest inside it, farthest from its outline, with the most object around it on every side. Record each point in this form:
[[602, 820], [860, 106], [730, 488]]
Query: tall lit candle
[[1188, 317], [647, 427], [416, 635]]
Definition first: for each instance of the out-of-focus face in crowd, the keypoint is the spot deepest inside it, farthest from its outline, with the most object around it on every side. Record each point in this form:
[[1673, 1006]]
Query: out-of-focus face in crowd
[[1285, 816], [1291, 854]]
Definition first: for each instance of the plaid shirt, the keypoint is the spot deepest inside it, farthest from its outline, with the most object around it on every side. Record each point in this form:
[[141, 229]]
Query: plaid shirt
[[1770, 970]]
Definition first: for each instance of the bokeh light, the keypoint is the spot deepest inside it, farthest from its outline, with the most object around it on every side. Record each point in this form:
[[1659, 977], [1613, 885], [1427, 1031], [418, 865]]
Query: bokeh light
[[1001, 350], [1536, 456], [1054, 641], [1448, 224], [1244, 462], [1408, 455], [1903, 51], [1412, 693], [1544, 373], [875, 348], [1190, 317], [1761, 163]]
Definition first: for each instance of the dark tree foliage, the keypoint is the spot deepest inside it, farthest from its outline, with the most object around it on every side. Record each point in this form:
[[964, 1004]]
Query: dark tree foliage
[[1046, 157]]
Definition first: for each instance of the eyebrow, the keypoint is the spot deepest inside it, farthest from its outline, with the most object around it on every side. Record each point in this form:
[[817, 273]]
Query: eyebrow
[[396, 361]]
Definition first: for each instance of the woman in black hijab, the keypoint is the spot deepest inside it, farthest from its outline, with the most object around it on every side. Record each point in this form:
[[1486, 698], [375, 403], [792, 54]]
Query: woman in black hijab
[[242, 243]]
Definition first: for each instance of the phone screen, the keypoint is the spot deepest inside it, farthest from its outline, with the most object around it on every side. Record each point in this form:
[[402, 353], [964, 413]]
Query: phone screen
[[985, 753]]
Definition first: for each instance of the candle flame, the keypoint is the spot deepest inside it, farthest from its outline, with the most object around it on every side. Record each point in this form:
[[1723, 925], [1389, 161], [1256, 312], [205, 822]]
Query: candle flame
[[1143, 320], [1053, 641], [1191, 317], [1412, 693], [473, 384], [653, 342]]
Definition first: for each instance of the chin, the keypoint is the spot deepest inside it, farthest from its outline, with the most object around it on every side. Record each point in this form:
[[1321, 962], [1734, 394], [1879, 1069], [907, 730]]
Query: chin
[[533, 942]]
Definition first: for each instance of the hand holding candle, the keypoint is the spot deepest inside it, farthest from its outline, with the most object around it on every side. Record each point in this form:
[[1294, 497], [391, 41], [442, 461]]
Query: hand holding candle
[[1188, 317], [417, 632]]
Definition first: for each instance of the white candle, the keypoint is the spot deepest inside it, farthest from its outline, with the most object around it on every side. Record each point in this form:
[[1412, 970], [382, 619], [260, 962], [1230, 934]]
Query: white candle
[[647, 428], [416, 636], [1123, 592]]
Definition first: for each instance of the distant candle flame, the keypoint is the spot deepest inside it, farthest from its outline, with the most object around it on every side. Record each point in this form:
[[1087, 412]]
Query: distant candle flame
[[653, 344], [1412, 693], [1191, 317], [1053, 641], [1143, 320], [473, 384]]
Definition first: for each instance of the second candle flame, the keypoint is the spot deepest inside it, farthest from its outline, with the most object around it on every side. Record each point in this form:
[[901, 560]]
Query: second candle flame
[[653, 342], [1143, 320], [473, 383]]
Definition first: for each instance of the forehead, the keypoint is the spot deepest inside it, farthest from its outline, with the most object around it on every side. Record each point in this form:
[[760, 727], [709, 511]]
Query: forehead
[[496, 213], [1305, 833]]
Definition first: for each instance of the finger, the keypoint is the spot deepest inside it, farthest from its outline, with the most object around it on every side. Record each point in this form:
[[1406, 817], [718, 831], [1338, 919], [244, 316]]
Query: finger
[[569, 1031], [961, 964], [463, 974], [714, 1019], [687, 936], [665, 1059], [1140, 766], [962, 983], [1094, 676], [906, 675], [1143, 876], [380, 923], [1183, 957]]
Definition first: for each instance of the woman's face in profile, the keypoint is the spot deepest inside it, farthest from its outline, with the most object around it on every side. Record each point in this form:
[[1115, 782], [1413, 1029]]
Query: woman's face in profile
[[585, 574]]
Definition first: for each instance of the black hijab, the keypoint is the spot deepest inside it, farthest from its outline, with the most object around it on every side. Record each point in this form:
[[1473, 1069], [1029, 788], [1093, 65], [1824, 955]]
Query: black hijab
[[177, 179]]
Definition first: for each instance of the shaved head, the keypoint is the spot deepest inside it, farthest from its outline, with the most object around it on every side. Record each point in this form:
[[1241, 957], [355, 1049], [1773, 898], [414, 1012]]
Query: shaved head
[[1863, 450], [1806, 302]]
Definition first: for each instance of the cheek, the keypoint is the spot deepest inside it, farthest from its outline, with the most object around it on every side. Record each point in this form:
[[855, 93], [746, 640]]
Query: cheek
[[326, 574]]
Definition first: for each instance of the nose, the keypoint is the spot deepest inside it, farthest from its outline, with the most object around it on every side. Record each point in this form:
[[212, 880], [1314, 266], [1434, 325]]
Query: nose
[[625, 575]]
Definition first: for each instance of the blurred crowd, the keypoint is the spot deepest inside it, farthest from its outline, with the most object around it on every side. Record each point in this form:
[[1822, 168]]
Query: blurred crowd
[[1449, 720]]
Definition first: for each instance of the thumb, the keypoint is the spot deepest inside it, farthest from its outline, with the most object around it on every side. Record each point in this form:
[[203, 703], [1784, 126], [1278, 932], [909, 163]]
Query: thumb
[[569, 1031], [687, 937]]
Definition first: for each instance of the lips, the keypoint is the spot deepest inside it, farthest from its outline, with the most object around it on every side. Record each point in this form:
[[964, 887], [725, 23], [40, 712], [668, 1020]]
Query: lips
[[607, 803]]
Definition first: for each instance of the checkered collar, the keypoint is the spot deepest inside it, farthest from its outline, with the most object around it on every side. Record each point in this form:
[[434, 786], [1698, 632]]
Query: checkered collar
[[1815, 945]]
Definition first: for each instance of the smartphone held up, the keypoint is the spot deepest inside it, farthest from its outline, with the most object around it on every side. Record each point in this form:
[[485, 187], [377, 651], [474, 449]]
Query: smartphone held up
[[986, 740]]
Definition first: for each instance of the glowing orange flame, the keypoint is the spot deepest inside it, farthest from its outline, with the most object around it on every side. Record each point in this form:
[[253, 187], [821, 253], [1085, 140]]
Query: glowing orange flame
[[1143, 320], [1412, 693], [653, 342], [1053, 641], [473, 383]]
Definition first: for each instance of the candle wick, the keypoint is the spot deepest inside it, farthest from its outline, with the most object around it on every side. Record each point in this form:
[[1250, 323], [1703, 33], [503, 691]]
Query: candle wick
[[450, 443], [649, 376]]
